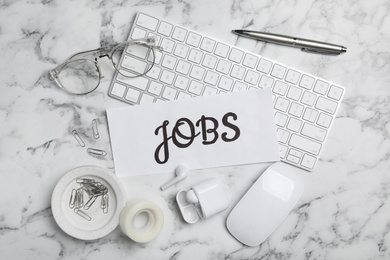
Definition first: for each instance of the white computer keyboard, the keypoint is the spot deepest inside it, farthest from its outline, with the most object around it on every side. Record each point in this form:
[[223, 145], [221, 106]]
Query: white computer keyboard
[[193, 64]]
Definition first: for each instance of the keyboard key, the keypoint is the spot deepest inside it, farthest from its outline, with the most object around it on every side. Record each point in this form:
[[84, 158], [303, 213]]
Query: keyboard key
[[282, 151], [197, 72], [211, 78], [310, 115], [225, 83], [146, 99], [207, 44], [236, 55], [282, 104], [138, 34], [252, 77], [195, 56], [222, 50], [280, 119], [296, 109], [182, 82], [134, 65], [239, 86], [308, 161], [335, 92], [137, 82], [209, 61], [314, 132], [237, 72], [179, 34], [295, 153], [183, 67], [283, 135], [132, 95], [118, 90], [324, 120], [280, 88], [193, 39], [264, 66], [167, 45], [208, 91], [155, 88], [250, 61], [169, 93], [306, 82], [326, 105], [154, 72], [169, 62], [183, 95], [195, 88], [147, 22], [305, 144], [308, 98], [224, 66], [167, 77], [266, 82], [181, 50], [293, 76], [278, 71], [165, 28], [293, 158], [294, 124], [321, 87], [294, 93]]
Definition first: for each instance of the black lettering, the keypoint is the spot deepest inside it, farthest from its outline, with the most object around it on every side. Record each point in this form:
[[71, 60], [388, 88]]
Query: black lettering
[[164, 144], [226, 123], [176, 132], [202, 121]]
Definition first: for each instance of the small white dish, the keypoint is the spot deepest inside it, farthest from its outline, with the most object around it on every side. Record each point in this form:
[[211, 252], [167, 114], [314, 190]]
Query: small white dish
[[100, 223]]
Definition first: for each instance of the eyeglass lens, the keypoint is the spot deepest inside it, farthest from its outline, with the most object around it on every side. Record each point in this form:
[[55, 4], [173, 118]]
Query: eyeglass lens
[[137, 60], [79, 76]]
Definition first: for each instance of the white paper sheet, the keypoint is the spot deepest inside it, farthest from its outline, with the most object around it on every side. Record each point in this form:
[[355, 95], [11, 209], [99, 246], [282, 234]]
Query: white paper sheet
[[214, 131]]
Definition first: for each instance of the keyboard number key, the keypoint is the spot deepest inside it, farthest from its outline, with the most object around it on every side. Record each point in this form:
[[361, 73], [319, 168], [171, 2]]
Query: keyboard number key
[[294, 93], [266, 82], [308, 98], [250, 61], [280, 88], [167, 45], [282, 104]]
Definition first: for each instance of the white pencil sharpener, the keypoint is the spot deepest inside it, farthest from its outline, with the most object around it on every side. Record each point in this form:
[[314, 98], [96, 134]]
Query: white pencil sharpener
[[202, 201]]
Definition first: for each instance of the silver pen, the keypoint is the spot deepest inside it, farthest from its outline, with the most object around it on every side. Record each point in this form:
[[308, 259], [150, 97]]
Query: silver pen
[[304, 44]]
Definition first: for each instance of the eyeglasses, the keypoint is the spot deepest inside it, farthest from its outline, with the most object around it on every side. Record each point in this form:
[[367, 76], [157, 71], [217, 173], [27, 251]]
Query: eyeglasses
[[80, 74]]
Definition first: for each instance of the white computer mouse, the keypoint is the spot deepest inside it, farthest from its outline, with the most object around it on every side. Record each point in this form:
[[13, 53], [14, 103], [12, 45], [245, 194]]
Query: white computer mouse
[[266, 204]]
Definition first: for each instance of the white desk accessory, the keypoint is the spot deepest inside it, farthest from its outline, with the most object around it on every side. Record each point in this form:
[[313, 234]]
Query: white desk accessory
[[193, 64], [266, 204], [202, 201], [181, 172]]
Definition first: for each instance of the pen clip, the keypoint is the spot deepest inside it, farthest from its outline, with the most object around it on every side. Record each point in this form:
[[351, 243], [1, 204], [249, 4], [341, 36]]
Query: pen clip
[[318, 51]]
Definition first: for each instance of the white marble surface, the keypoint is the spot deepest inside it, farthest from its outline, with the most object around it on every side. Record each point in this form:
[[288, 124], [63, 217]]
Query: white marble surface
[[344, 212]]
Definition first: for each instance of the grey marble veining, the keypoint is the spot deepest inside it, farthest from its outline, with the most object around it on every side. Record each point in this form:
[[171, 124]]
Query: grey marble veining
[[344, 212]]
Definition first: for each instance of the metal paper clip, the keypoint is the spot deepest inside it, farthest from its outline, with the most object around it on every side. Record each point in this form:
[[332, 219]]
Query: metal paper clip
[[83, 214], [95, 129], [96, 152], [78, 138]]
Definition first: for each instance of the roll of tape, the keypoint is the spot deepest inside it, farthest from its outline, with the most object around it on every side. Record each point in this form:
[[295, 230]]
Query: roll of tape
[[141, 220]]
